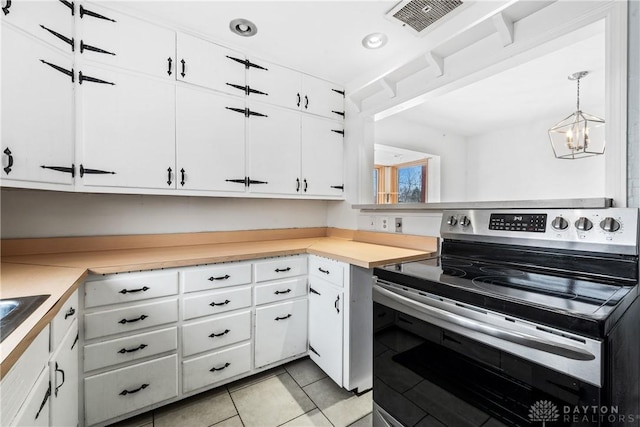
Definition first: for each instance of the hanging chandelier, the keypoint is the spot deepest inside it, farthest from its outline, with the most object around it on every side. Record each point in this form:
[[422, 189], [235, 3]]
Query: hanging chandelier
[[580, 134]]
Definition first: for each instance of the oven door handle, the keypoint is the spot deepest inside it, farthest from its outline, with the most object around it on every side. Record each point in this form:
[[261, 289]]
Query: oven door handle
[[530, 341]]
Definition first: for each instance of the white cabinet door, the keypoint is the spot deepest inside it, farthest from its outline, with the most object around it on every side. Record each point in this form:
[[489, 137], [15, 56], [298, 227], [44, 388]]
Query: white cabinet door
[[322, 97], [274, 84], [128, 130], [274, 150], [322, 157], [281, 331], [206, 64], [37, 111], [35, 410], [326, 327], [64, 380], [51, 21], [116, 39], [210, 141]]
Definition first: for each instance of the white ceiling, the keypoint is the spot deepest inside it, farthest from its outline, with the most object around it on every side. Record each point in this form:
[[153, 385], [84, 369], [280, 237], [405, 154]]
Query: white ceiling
[[388, 156]]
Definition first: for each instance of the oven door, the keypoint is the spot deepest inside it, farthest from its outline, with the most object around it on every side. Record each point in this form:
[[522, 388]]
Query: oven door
[[442, 366]]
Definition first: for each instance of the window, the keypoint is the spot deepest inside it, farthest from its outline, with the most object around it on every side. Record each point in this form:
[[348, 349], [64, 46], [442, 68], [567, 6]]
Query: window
[[404, 183]]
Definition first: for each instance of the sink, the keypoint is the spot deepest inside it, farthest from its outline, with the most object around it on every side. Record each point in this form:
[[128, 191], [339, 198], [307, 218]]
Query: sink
[[14, 311]]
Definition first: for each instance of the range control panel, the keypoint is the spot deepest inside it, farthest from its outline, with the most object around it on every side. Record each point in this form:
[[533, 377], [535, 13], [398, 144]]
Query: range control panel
[[612, 230]]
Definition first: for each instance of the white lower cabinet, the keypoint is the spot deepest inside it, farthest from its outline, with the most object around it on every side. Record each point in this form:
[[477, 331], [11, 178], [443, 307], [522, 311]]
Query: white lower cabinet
[[35, 410], [216, 367], [215, 332], [215, 302], [124, 390], [63, 368], [281, 331]]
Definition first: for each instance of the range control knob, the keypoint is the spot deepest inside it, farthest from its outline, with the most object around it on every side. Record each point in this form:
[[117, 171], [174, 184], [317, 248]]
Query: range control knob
[[583, 224], [452, 220], [609, 224], [560, 223], [465, 221]]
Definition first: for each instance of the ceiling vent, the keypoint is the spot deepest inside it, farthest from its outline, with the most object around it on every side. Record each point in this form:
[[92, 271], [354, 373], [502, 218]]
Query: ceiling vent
[[418, 15]]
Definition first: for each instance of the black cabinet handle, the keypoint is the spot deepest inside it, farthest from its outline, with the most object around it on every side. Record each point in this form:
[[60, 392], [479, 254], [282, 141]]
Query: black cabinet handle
[[226, 365], [238, 110], [341, 132], [6, 7], [238, 181], [239, 87], [282, 292], [131, 291], [85, 78], [70, 5], [169, 176], [75, 341], [306, 185], [88, 171], [306, 102], [70, 312], [69, 41], [298, 104], [93, 14], [44, 401], [214, 304], [125, 321], [125, 392], [225, 277], [59, 68], [62, 383], [182, 175], [124, 350], [338, 187], [297, 185], [321, 270], [251, 90], [282, 270], [226, 331], [255, 113], [7, 169], [183, 73], [340, 113], [84, 46], [341, 92], [254, 181], [284, 317], [337, 304], [71, 170], [313, 291], [169, 62]]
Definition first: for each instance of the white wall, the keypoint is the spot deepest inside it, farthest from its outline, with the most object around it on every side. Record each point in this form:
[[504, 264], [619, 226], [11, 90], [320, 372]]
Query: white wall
[[518, 163], [27, 213]]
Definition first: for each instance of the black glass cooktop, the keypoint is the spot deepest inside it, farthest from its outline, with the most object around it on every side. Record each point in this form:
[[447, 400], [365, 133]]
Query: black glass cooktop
[[573, 303]]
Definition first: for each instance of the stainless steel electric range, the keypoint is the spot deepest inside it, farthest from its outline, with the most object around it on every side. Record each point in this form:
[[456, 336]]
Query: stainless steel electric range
[[527, 317]]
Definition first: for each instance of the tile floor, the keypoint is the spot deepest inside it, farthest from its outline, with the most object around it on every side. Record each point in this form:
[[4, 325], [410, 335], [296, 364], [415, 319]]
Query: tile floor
[[298, 394]]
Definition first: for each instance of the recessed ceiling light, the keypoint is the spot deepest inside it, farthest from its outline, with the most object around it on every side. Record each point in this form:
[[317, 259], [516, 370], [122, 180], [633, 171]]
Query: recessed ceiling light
[[374, 41], [243, 27]]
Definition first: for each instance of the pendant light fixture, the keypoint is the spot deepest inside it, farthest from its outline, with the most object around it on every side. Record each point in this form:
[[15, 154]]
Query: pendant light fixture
[[580, 134]]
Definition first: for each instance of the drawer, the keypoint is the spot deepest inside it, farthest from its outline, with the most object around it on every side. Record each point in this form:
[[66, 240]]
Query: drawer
[[215, 276], [216, 302], [65, 317], [216, 367], [281, 290], [35, 411], [129, 349], [279, 268], [16, 384], [281, 331], [327, 269], [215, 333], [129, 319], [130, 287], [124, 390]]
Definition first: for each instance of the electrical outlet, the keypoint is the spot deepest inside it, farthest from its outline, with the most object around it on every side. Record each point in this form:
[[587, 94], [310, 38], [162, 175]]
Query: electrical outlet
[[384, 223]]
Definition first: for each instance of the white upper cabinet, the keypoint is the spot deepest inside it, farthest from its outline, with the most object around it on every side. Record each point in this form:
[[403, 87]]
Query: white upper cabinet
[[274, 84], [273, 136], [117, 39], [322, 98], [206, 64], [37, 110], [128, 130], [210, 141], [51, 21], [322, 157]]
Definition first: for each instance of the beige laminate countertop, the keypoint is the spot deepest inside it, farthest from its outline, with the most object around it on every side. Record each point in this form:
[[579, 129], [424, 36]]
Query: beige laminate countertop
[[60, 274]]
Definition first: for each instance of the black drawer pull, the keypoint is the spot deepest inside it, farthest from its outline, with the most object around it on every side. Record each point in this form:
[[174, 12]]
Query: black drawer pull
[[182, 176], [297, 185], [125, 321], [225, 277], [226, 331], [306, 102], [283, 318], [321, 270], [124, 350], [169, 62], [169, 176], [131, 291], [62, 383], [184, 66], [282, 292], [306, 185], [298, 104], [220, 369], [337, 304], [10, 164], [125, 392], [69, 312], [44, 401], [213, 304], [282, 270], [5, 9]]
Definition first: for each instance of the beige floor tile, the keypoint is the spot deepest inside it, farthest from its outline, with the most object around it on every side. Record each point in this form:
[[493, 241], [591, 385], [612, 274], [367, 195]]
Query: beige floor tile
[[310, 419], [363, 422], [231, 422], [253, 379], [346, 412], [325, 393], [271, 402], [141, 420], [304, 371], [201, 410]]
